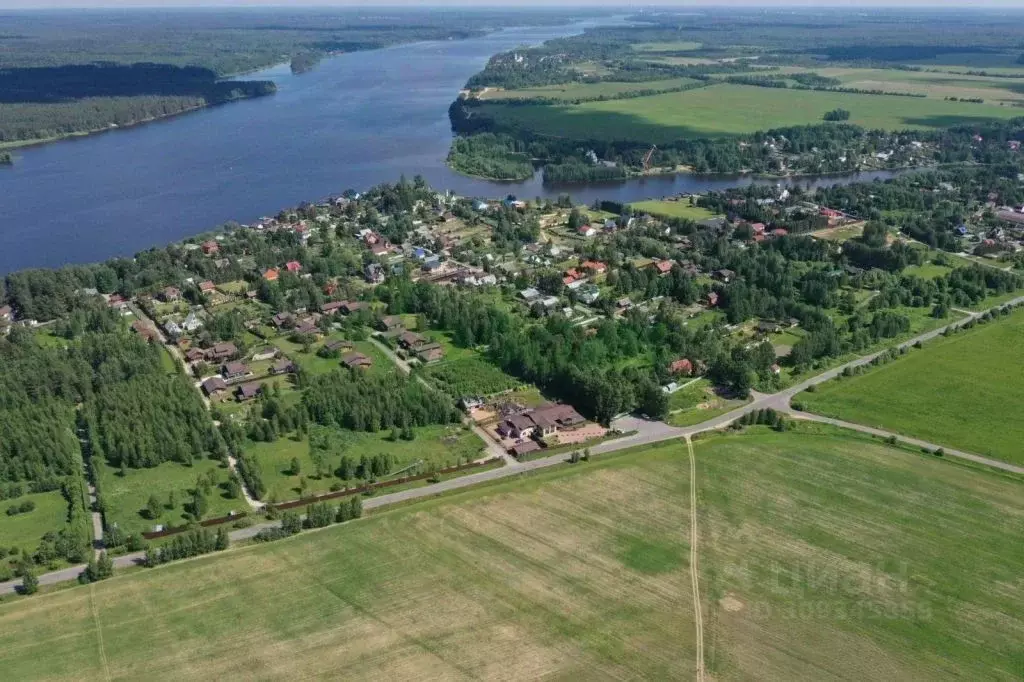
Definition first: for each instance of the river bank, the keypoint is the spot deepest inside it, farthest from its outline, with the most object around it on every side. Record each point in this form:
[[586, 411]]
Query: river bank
[[357, 120]]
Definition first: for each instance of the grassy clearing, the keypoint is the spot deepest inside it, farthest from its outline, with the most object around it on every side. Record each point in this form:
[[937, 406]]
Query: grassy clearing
[[27, 529], [578, 91], [470, 376], [673, 209], [668, 46], [962, 391], [927, 270], [809, 569], [733, 110], [438, 445], [126, 498], [697, 403]]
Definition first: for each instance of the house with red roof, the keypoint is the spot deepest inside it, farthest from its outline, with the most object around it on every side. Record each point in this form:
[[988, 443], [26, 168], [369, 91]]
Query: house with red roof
[[663, 267], [293, 266], [210, 247], [271, 275], [594, 266], [681, 366]]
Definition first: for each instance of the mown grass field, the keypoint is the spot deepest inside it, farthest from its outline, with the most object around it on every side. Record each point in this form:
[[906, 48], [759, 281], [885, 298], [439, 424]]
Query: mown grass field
[[930, 83], [672, 209], [575, 91], [962, 391], [821, 556], [442, 446], [727, 109]]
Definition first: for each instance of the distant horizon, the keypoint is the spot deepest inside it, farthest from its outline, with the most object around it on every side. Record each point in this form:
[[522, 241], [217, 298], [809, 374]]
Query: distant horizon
[[510, 4]]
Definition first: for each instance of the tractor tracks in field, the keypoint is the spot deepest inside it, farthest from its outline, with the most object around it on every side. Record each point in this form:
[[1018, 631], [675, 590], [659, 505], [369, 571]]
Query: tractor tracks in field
[[698, 615]]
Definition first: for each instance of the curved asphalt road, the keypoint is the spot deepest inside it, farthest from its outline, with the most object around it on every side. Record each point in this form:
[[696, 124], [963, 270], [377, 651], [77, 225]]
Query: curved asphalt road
[[647, 432]]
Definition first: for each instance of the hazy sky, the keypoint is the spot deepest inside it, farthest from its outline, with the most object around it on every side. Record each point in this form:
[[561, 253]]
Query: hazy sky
[[957, 4]]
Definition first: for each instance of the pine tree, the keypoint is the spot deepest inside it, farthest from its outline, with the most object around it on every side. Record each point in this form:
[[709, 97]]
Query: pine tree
[[355, 508], [153, 508]]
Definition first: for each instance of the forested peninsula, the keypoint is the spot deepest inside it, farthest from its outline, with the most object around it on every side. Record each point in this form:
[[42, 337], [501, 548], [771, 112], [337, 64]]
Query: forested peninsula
[[52, 102]]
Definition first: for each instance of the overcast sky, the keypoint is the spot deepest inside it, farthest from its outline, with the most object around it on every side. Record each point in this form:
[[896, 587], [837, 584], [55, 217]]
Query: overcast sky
[[958, 4]]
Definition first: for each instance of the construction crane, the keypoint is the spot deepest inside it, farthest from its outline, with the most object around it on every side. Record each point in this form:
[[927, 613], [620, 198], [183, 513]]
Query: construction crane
[[647, 158]]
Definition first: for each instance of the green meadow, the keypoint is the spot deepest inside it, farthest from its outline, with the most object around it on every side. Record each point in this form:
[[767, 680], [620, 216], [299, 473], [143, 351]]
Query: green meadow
[[727, 109], [962, 391]]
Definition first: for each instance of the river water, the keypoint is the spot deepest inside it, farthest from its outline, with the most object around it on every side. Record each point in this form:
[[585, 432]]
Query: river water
[[355, 121]]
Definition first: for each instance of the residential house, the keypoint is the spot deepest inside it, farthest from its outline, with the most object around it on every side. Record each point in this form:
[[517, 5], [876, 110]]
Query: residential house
[[282, 366], [524, 448], [222, 351], [173, 329], [586, 230], [374, 273], [390, 323], [723, 275], [293, 266], [349, 307], [332, 307], [282, 320], [624, 304], [207, 287], [529, 295], [663, 267], [431, 352], [432, 264], [766, 327], [195, 354], [554, 417], [356, 360], [210, 247], [517, 426], [191, 323], [712, 299], [271, 275], [307, 327], [411, 340], [6, 314], [118, 302], [214, 386], [780, 232], [338, 345], [233, 371], [170, 294], [248, 391], [594, 266], [681, 366]]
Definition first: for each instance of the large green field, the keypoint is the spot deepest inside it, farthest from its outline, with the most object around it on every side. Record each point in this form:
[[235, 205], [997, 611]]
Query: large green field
[[672, 209], [578, 91], [963, 391], [930, 83], [728, 109], [821, 556]]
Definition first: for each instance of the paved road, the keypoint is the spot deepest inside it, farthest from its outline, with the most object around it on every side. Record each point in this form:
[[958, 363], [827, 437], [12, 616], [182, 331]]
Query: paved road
[[916, 442], [647, 432]]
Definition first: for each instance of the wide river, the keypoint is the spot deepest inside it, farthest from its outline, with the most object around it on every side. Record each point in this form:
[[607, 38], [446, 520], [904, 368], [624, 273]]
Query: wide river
[[355, 121]]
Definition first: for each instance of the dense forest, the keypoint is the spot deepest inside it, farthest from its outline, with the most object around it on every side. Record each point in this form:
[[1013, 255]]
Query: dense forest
[[47, 102], [67, 73]]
